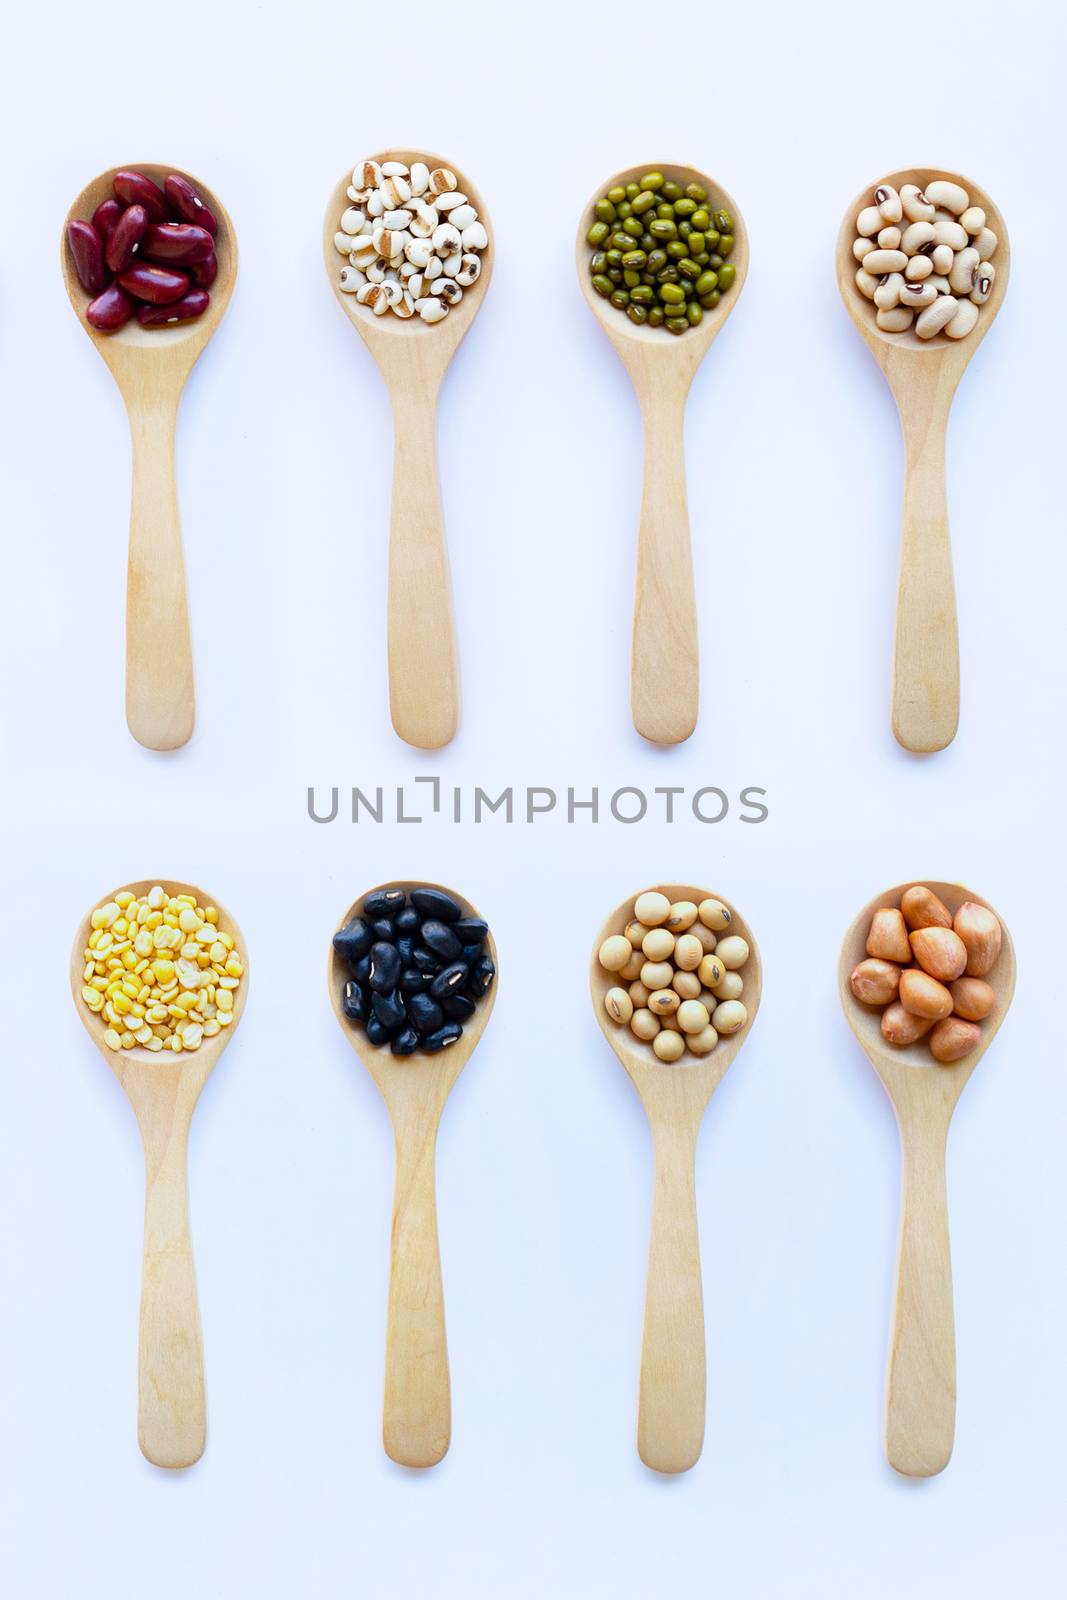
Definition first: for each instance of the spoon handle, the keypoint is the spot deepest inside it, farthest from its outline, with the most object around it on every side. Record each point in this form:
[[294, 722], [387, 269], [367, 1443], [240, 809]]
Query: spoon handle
[[172, 1408], [670, 1421], [920, 1416], [423, 675], [160, 699], [926, 660], [665, 675], [417, 1423]]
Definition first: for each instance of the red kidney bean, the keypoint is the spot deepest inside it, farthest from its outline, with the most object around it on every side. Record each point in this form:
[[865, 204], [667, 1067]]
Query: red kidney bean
[[193, 305], [137, 190], [188, 204], [125, 238], [203, 273], [111, 310], [87, 248], [105, 217], [158, 285], [176, 241]]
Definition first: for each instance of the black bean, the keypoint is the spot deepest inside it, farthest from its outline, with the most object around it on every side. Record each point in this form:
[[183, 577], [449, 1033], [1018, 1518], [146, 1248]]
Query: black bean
[[360, 969], [471, 930], [405, 1043], [405, 949], [389, 1009], [413, 982], [383, 931], [471, 954], [458, 1006], [423, 1013], [450, 981], [353, 940], [384, 968], [443, 1037], [408, 920], [482, 976], [439, 938], [384, 903], [375, 1031], [435, 903], [354, 1002], [425, 961]]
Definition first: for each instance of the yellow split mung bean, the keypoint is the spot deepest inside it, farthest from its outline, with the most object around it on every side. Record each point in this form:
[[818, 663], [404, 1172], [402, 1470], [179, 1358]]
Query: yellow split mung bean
[[160, 971]]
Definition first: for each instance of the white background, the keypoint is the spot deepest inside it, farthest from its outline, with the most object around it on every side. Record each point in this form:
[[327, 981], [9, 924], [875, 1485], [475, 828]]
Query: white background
[[544, 1166]]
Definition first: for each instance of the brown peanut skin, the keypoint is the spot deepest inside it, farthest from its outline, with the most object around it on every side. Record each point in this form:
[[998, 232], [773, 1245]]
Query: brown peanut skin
[[953, 1039], [923, 909], [923, 996], [134, 189], [900, 1027], [888, 938], [982, 937], [972, 998], [874, 982], [940, 952], [87, 248], [187, 203]]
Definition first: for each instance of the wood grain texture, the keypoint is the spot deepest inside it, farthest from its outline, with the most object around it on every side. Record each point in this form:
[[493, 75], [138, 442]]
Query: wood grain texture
[[163, 1089], [671, 1405], [920, 1405], [417, 1410], [413, 357], [665, 663], [150, 367], [923, 375]]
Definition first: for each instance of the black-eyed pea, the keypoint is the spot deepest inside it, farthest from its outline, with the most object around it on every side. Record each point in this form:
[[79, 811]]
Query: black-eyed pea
[[652, 908], [964, 270], [950, 233], [895, 319], [918, 268], [633, 968], [916, 206], [888, 201], [866, 283], [668, 1045], [658, 944], [639, 995], [618, 1005], [950, 196], [973, 219], [615, 952], [887, 294], [964, 321], [879, 262], [863, 247], [942, 257], [688, 952], [938, 316], [686, 985], [918, 295], [915, 236], [983, 283], [986, 243], [732, 987], [656, 975], [889, 239], [692, 1016], [682, 916], [733, 953], [711, 971], [664, 1002], [714, 915], [704, 1042], [729, 1016], [869, 221], [643, 1025]]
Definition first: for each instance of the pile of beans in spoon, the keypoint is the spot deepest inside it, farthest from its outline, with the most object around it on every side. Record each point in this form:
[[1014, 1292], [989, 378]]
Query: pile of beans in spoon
[[418, 967], [147, 252]]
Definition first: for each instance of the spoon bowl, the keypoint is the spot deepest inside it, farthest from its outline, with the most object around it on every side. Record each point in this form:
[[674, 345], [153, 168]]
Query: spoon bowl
[[675, 1095], [923, 375], [413, 357], [417, 1412], [665, 659], [163, 1088], [150, 366], [920, 1409]]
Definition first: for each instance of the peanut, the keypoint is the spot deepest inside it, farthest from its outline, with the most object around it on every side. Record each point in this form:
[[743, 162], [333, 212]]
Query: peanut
[[952, 1039], [923, 996], [980, 933], [888, 938], [901, 1027], [940, 952], [875, 982], [923, 909], [972, 998]]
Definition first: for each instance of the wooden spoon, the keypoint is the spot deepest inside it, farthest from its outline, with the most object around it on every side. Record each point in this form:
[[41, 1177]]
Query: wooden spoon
[[417, 1414], [923, 375], [413, 357], [665, 665], [163, 1089], [150, 366], [670, 1419], [920, 1410]]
